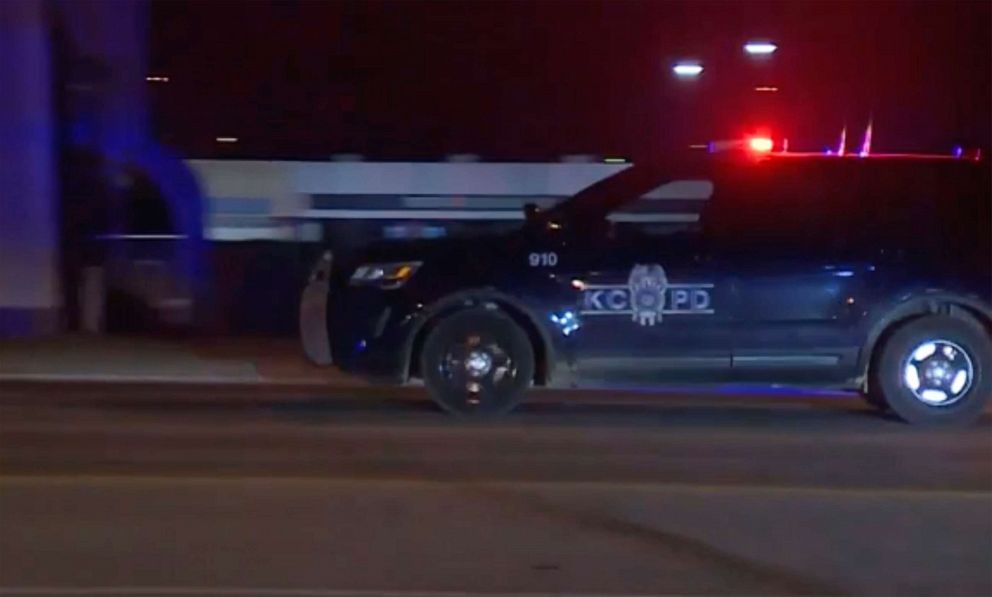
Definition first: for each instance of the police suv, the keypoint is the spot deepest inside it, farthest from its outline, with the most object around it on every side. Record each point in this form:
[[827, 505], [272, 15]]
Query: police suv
[[867, 274]]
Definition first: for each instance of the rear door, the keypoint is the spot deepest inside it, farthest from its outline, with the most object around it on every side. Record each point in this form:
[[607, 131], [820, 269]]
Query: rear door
[[784, 228]]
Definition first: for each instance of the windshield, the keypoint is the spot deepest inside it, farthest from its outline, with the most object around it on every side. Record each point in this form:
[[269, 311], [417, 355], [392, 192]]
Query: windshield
[[608, 194], [614, 192]]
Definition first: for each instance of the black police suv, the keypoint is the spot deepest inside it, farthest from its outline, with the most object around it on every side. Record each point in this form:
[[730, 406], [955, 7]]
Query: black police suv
[[867, 274]]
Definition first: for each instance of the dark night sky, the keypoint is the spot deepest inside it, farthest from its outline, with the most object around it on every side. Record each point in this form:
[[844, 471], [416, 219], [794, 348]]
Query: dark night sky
[[537, 79]]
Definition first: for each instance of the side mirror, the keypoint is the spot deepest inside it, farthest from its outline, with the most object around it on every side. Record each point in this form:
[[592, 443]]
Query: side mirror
[[530, 212]]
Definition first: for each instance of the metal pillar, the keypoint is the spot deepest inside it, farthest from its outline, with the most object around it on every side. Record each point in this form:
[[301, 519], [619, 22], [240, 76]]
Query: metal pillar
[[29, 238]]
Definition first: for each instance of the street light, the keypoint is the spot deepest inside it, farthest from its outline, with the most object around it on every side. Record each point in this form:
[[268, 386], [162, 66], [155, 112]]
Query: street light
[[760, 48], [687, 69]]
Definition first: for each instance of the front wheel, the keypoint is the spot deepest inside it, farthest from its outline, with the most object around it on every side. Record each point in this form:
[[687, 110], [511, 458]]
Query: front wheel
[[936, 369], [477, 362]]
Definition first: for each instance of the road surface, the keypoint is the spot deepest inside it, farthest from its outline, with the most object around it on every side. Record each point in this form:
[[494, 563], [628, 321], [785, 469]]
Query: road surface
[[231, 490]]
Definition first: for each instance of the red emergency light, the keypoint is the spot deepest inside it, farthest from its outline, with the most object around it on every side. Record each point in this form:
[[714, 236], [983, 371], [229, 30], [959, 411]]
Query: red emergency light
[[760, 144]]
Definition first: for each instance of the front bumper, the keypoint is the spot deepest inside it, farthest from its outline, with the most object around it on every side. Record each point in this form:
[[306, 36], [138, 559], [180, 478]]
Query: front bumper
[[372, 331], [367, 331], [313, 313]]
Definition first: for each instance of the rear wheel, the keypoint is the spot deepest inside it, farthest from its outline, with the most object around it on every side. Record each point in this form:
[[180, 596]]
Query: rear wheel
[[935, 369], [477, 362]]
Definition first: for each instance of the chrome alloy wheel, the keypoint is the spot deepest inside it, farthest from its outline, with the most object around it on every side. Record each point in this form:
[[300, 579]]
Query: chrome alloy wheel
[[938, 372], [477, 367]]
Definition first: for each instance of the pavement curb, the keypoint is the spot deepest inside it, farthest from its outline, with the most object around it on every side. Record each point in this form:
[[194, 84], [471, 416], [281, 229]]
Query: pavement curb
[[161, 379], [165, 381]]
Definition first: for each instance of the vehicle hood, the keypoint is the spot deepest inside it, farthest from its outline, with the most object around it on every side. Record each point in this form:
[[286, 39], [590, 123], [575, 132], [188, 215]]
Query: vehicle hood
[[431, 249], [454, 254]]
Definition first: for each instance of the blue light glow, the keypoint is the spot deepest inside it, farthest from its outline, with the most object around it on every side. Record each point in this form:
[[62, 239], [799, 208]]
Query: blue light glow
[[567, 322]]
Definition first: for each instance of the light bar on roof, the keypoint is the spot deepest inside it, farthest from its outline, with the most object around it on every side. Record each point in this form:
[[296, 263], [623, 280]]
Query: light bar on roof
[[760, 144]]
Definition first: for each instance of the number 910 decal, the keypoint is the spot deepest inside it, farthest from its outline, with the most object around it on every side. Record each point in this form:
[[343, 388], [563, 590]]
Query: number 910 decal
[[549, 259]]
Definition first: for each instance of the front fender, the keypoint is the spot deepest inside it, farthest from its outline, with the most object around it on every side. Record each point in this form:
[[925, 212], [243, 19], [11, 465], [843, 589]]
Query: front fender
[[423, 320]]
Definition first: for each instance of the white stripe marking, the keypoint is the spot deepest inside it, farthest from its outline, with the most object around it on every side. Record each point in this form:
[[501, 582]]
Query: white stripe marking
[[165, 591], [413, 214], [625, 287], [665, 312], [470, 214], [158, 379], [277, 232], [141, 236]]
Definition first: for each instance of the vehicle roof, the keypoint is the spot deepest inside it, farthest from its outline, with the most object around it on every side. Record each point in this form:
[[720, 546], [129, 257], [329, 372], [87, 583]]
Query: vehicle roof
[[642, 177], [968, 169], [877, 161]]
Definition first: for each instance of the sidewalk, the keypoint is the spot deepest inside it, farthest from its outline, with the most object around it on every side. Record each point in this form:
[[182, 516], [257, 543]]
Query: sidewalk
[[137, 359]]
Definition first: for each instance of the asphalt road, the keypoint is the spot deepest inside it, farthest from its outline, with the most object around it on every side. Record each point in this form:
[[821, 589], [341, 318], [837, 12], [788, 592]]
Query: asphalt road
[[222, 490]]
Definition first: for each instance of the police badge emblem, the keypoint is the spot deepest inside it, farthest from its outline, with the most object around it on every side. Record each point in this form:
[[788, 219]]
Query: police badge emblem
[[647, 296], [647, 285]]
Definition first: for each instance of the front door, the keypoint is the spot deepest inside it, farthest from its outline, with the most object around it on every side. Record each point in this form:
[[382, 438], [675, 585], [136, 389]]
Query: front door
[[652, 309]]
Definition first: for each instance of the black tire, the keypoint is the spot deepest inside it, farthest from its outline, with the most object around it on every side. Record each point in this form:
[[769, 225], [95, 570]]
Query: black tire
[[871, 392], [446, 372], [897, 352]]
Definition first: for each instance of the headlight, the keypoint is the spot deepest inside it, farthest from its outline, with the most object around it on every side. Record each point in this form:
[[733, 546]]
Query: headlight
[[384, 275]]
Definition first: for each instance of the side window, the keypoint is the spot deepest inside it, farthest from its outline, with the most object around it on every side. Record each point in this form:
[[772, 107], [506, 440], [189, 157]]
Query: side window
[[671, 208], [784, 209]]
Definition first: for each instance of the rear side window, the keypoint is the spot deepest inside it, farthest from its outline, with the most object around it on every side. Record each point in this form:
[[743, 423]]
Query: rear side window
[[901, 201], [931, 207]]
